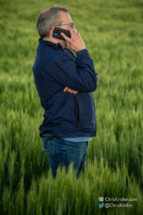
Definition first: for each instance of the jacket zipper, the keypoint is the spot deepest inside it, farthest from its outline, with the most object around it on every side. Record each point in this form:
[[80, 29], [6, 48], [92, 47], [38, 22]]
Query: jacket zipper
[[68, 54], [78, 111]]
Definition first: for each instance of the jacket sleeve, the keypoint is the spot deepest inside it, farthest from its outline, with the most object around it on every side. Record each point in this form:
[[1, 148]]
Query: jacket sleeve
[[78, 74]]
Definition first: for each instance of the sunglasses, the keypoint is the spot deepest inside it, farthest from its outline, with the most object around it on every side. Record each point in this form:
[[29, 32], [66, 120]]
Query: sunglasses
[[66, 24]]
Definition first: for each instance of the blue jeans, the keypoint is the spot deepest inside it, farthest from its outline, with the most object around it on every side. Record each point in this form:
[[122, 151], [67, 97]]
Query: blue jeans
[[63, 152]]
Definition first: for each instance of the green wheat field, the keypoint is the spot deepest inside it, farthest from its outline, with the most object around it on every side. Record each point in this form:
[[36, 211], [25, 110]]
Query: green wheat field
[[113, 34]]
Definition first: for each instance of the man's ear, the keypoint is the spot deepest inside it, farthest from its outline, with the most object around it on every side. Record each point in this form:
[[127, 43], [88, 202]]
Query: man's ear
[[52, 29]]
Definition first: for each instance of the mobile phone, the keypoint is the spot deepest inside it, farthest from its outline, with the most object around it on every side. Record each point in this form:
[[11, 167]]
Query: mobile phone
[[57, 33]]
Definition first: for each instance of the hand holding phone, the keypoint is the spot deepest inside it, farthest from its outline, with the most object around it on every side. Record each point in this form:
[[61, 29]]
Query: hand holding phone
[[75, 42]]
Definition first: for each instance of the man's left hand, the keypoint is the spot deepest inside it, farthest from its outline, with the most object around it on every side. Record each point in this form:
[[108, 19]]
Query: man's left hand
[[70, 90]]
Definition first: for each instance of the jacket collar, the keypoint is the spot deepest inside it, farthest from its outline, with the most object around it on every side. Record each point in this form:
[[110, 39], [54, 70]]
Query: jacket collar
[[55, 46]]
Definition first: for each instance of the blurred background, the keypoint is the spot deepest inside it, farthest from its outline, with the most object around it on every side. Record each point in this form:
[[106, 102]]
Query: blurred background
[[113, 34]]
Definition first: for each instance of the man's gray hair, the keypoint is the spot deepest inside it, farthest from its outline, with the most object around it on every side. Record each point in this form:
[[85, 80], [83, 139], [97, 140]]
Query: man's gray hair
[[49, 18]]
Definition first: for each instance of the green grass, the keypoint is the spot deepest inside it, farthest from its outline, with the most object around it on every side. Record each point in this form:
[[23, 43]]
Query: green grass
[[112, 32]]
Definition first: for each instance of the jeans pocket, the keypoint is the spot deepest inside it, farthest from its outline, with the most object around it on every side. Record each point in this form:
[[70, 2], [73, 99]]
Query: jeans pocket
[[48, 145]]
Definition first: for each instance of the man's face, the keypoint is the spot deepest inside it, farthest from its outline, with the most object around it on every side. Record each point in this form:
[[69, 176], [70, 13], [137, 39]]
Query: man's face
[[65, 17]]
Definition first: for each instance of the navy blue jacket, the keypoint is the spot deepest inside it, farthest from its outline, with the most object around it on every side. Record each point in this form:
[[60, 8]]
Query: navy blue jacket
[[66, 114]]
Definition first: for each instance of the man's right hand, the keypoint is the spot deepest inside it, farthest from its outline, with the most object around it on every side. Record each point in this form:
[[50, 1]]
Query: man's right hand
[[70, 90], [75, 42]]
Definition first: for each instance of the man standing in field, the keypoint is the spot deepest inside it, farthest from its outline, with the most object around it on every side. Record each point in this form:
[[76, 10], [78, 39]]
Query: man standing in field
[[65, 84]]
